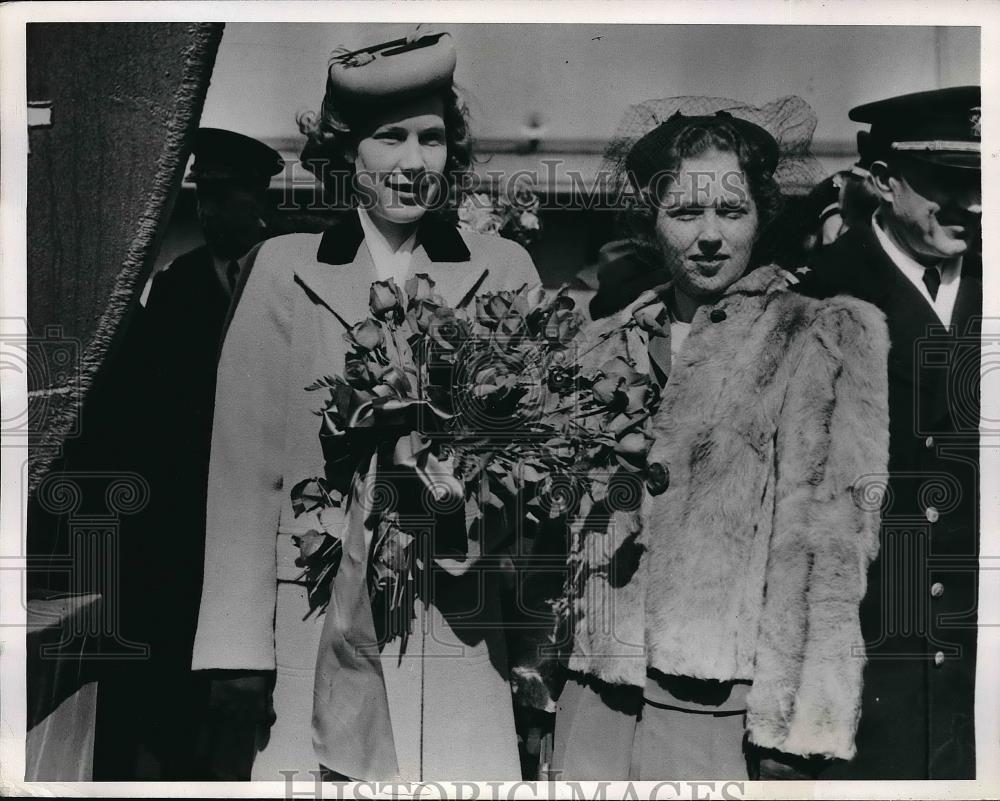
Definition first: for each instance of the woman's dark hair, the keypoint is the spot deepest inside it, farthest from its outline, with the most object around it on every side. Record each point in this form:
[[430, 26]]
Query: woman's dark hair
[[692, 138], [338, 128]]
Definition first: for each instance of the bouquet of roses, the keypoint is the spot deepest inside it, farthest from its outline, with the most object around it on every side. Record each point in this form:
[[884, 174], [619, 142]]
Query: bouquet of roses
[[474, 407], [513, 214]]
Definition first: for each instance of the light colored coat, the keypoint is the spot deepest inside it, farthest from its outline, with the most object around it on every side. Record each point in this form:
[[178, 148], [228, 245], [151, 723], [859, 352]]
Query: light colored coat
[[752, 565], [375, 716]]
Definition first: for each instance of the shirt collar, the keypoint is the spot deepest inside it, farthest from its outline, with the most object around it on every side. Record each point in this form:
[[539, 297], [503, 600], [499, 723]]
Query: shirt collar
[[948, 268], [378, 245]]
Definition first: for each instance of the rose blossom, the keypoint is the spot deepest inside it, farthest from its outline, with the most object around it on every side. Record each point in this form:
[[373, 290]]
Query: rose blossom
[[562, 326], [386, 299], [420, 287], [366, 335], [653, 319], [492, 307], [421, 315], [446, 329], [609, 390], [633, 444], [357, 373]]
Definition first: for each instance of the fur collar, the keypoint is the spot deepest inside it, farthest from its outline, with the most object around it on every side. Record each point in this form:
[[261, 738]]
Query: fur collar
[[764, 280], [761, 281]]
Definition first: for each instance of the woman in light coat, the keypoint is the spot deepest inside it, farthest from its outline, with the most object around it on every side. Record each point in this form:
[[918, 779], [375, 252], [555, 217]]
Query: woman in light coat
[[440, 708], [715, 629]]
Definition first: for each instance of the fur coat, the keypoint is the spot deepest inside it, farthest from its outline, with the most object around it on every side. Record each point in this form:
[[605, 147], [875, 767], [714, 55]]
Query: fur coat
[[752, 565]]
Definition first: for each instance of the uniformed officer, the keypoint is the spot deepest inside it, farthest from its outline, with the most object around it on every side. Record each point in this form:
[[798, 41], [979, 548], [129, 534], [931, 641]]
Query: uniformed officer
[[231, 173], [168, 371], [823, 222], [920, 263]]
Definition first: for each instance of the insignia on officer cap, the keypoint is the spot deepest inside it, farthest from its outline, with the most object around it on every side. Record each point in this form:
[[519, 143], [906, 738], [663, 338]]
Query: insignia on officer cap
[[942, 126], [228, 156], [423, 62]]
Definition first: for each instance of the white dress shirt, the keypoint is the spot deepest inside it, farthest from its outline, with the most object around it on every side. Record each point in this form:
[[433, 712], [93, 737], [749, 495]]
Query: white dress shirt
[[949, 269], [678, 333], [388, 263]]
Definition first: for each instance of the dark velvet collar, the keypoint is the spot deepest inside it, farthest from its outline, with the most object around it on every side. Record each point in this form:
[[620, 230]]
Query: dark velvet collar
[[440, 240]]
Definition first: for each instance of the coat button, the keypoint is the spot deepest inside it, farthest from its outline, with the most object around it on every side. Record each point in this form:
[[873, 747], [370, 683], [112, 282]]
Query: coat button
[[931, 514], [939, 659], [937, 589], [929, 442], [717, 315]]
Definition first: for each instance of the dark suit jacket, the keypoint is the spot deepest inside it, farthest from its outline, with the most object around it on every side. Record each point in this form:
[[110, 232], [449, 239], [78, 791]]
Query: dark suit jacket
[[180, 330], [919, 615], [166, 383]]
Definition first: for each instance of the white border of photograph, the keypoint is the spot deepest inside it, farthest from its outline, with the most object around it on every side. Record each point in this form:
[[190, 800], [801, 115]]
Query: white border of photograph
[[13, 177]]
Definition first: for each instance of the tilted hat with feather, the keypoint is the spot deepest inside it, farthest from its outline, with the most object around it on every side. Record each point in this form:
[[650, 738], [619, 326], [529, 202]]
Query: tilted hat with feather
[[421, 62]]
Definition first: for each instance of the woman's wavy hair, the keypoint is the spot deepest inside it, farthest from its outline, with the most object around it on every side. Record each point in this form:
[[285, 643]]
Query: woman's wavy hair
[[694, 139], [335, 130]]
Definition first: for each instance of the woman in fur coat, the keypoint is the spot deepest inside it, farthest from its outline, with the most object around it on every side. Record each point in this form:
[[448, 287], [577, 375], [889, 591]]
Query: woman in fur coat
[[715, 628]]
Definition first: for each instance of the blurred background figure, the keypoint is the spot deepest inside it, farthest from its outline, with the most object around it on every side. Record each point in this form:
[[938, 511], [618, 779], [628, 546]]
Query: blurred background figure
[[845, 200], [168, 371], [822, 213], [231, 173], [858, 197]]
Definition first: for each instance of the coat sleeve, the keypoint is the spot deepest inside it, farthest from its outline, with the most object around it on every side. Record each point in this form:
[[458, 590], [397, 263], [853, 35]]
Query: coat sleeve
[[831, 462], [512, 268], [236, 619]]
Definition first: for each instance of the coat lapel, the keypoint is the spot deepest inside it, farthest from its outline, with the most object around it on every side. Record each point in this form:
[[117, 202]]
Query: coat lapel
[[442, 254], [342, 273], [456, 282], [908, 315], [969, 303]]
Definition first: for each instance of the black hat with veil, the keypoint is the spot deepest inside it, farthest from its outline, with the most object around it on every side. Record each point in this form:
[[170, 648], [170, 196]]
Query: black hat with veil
[[633, 264], [789, 120]]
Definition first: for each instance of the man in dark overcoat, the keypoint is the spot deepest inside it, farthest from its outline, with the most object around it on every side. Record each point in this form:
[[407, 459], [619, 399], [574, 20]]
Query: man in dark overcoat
[[920, 263], [152, 713]]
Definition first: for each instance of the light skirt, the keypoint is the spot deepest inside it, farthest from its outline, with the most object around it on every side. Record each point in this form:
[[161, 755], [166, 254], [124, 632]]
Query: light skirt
[[448, 696], [609, 732]]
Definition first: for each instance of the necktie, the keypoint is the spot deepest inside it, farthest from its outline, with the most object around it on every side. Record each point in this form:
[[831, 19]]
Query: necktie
[[232, 273], [932, 280]]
